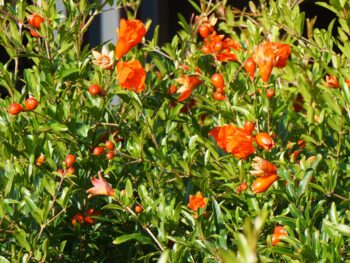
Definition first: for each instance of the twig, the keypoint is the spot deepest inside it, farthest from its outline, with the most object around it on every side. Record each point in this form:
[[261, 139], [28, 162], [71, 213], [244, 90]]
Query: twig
[[52, 205], [339, 196], [145, 227], [268, 111]]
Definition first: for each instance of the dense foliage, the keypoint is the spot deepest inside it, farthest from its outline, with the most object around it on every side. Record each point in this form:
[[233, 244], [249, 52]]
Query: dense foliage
[[228, 144]]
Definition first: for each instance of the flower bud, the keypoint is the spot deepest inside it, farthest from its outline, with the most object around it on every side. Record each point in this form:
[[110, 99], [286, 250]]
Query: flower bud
[[265, 141], [262, 183]]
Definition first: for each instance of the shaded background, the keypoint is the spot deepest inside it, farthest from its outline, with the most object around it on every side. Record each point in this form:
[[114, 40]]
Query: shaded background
[[163, 13]]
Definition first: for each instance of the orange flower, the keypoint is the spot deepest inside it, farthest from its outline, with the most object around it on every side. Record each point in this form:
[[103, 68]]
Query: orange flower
[[278, 232], [104, 59], [197, 201], [131, 75], [282, 53], [332, 82], [226, 53], [40, 160], [234, 140], [262, 183], [270, 54], [188, 84], [100, 187], [262, 167], [222, 48], [130, 33]]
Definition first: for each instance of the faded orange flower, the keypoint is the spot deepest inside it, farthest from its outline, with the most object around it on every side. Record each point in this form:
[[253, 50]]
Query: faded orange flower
[[131, 75], [262, 167], [188, 84], [332, 82], [130, 33], [100, 187], [271, 54], [104, 59], [234, 140], [197, 201]]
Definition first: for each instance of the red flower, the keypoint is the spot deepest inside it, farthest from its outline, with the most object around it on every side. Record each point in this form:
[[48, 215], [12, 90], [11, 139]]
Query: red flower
[[277, 233], [262, 167], [131, 75], [89, 213], [130, 33], [234, 140], [242, 187], [77, 218], [271, 54], [100, 187], [197, 201], [188, 84]]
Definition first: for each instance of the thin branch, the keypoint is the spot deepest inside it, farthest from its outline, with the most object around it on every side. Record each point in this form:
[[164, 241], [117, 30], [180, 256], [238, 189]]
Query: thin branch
[[146, 228]]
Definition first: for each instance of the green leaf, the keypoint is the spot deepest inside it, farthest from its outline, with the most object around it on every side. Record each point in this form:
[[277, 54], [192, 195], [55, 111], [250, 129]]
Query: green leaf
[[184, 24], [58, 127], [34, 210], [68, 73], [20, 236], [164, 257], [4, 260], [128, 188], [307, 177], [220, 224], [139, 237], [340, 228], [195, 6], [327, 6], [334, 214], [143, 192], [10, 173], [83, 130]]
